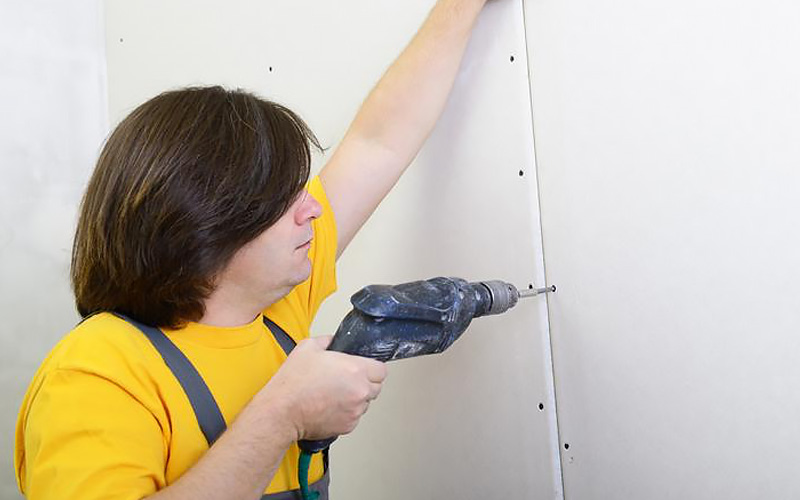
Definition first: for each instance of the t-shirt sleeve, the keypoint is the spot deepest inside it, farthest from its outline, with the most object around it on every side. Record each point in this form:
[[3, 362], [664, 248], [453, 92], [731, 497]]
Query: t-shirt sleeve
[[86, 437], [322, 253]]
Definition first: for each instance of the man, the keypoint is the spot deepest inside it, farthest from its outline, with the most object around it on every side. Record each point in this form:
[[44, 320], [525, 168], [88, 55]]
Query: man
[[198, 243]]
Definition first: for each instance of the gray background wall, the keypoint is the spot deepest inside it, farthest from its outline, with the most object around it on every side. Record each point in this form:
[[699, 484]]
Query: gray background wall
[[53, 118], [668, 140]]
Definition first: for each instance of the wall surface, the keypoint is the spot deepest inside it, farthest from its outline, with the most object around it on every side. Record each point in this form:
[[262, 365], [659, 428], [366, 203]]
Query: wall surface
[[53, 120], [667, 150], [465, 424], [668, 145]]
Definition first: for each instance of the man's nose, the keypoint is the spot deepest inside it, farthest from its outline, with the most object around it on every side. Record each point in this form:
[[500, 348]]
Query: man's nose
[[309, 209]]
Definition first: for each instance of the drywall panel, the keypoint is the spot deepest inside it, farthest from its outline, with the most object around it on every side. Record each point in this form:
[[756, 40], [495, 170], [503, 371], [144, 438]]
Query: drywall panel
[[667, 143], [465, 424], [52, 120]]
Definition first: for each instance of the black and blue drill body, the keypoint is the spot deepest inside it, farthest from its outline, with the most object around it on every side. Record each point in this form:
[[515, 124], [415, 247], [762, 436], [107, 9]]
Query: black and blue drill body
[[417, 318]]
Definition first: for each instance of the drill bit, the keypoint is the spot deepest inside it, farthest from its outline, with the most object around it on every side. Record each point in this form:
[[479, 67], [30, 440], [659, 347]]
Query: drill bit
[[532, 292]]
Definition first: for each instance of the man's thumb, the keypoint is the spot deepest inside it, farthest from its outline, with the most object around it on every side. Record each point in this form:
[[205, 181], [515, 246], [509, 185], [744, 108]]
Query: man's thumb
[[322, 342]]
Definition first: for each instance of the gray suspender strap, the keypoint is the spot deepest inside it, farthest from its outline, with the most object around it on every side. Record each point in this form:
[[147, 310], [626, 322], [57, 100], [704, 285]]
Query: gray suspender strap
[[286, 342], [208, 414], [205, 407]]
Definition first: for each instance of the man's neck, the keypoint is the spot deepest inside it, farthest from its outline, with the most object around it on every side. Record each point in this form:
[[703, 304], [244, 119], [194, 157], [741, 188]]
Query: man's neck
[[229, 307]]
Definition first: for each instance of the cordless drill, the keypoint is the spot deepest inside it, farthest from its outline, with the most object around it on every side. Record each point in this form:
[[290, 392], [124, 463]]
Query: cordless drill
[[417, 318]]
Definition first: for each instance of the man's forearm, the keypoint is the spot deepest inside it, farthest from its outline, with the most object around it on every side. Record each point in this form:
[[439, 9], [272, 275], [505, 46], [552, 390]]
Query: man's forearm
[[402, 109], [242, 462], [316, 393], [397, 116]]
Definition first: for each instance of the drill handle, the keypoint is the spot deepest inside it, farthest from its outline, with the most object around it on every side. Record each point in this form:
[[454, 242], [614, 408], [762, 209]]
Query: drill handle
[[313, 446]]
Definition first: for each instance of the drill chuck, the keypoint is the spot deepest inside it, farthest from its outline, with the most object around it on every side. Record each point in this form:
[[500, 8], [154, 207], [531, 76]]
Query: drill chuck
[[502, 296]]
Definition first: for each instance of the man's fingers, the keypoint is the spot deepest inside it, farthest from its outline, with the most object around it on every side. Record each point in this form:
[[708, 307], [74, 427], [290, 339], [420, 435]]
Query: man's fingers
[[376, 371], [322, 342], [374, 391]]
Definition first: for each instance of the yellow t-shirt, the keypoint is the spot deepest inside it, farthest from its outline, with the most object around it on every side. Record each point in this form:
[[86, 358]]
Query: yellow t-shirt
[[105, 418]]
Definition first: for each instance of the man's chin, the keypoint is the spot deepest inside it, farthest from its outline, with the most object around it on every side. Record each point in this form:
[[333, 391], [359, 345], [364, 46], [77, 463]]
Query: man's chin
[[294, 282], [303, 275]]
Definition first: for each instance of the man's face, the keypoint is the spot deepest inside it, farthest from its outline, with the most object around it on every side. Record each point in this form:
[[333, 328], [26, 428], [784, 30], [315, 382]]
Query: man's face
[[277, 260]]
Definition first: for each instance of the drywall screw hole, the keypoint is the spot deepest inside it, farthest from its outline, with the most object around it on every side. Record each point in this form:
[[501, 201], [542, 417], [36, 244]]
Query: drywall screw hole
[[270, 69], [511, 58], [521, 173], [541, 406], [530, 286], [120, 40], [566, 446]]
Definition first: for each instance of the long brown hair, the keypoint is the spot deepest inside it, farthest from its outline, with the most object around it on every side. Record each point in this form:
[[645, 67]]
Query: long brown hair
[[182, 183]]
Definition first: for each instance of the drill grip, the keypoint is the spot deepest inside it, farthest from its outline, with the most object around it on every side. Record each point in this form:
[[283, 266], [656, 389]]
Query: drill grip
[[313, 446]]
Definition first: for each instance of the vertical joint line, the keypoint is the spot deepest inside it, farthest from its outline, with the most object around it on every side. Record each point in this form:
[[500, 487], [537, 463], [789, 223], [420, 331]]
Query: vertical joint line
[[559, 471]]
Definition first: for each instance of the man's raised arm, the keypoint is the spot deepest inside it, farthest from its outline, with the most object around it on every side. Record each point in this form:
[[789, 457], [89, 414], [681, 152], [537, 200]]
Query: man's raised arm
[[397, 116]]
